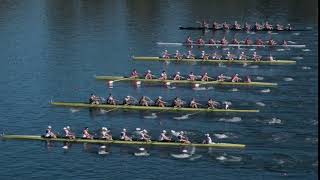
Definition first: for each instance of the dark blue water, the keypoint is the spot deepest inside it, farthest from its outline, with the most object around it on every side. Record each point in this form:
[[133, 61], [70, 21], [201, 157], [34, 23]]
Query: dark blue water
[[50, 50]]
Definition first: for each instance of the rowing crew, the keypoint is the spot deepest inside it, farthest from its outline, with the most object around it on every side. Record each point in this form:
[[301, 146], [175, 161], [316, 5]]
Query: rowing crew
[[191, 76], [137, 135], [214, 56], [159, 102], [236, 26], [224, 41]]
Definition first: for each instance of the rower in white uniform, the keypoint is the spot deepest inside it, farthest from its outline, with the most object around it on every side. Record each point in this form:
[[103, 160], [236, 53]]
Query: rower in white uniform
[[105, 134], [86, 134], [68, 133], [144, 135], [124, 136], [204, 56], [49, 133], [182, 138], [207, 140], [163, 137], [163, 76], [190, 55]]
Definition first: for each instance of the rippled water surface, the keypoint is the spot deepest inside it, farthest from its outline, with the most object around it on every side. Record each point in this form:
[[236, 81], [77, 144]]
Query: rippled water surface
[[51, 50]]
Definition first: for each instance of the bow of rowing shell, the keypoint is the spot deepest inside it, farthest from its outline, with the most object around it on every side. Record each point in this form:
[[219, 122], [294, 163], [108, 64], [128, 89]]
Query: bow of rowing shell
[[99, 141], [134, 107]]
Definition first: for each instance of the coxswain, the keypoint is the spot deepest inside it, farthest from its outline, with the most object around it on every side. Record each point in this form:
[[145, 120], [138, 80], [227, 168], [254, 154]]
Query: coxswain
[[190, 55], [193, 103], [49, 133], [86, 134], [165, 54], [105, 134], [211, 104], [256, 57], [163, 76], [211, 41], [178, 55], [205, 77], [207, 140], [236, 26], [230, 56], [247, 42], [235, 78], [235, 41], [134, 74], [271, 42], [177, 102], [200, 41], [224, 41], [259, 42], [192, 77], [242, 56], [247, 26], [189, 41], [143, 101], [182, 138], [144, 136], [225, 26], [128, 100], [111, 100], [279, 27], [159, 102], [94, 99], [148, 75], [68, 133], [215, 56], [177, 76], [163, 137], [248, 79], [204, 56], [221, 77], [124, 136]]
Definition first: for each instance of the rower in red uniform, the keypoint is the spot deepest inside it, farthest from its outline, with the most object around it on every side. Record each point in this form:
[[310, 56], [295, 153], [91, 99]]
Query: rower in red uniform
[[221, 78], [190, 55], [178, 55], [189, 41], [259, 42], [148, 75], [211, 41], [192, 77], [200, 41], [165, 54], [177, 76], [236, 26], [163, 76], [134, 74], [271, 42], [86, 134], [235, 41], [256, 57], [224, 41], [235, 78], [225, 26], [247, 42]]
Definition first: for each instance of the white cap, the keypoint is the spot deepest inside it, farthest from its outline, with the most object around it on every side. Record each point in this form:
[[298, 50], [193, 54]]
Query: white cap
[[145, 131], [68, 127], [166, 50], [207, 134], [202, 51], [49, 127], [64, 128], [141, 149], [159, 97], [242, 52], [124, 130], [149, 70], [128, 96], [181, 132], [206, 73], [138, 129], [177, 51], [164, 131], [184, 151], [228, 52], [102, 147], [237, 74]]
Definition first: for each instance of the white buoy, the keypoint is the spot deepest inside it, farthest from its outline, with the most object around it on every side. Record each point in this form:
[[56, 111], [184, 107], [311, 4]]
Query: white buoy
[[110, 83], [168, 83]]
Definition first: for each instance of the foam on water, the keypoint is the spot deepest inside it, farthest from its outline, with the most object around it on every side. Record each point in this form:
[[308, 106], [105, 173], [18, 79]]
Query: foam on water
[[297, 58], [292, 42], [221, 158], [306, 50], [234, 119], [296, 34], [275, 121], [152, 116], [305, 67], [73, 110], [234, 89], [254, 66], [181, 156], [199, 88], [265, 90], [221, 136], [192, 158], [288, 79], [182, 117], [260, 104], [252, 49], [259, 78], [280, 49], [171, 87]]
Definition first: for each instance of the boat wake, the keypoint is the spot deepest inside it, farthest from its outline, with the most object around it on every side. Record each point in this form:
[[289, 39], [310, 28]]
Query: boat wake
[[152, 116], [260, 104], [288, 79], [73, 110], [265, 90], [229, 158], [221, 136], [234, 119]]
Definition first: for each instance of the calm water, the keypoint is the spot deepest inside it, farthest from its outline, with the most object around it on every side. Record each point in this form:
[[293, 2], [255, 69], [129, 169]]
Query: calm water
[[50, 50]]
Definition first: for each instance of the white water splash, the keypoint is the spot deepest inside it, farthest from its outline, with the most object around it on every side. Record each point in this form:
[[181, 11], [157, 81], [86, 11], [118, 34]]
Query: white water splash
[[181, 156], [292, 42], [221, 158], [259, 78], [152, 116], [234, 119], [297, 58], [74, 110], [254, 66], [252, 49], [141, 154], [305, 67], [221, 136], [296, 34], [102, 111], [234, 90], [182, 117], [199, 88], [288, 79], [195, 157], [260, 104], [265, 90], [275, 121], [65, 147], [280, 50], [227, 102], [306, 50]]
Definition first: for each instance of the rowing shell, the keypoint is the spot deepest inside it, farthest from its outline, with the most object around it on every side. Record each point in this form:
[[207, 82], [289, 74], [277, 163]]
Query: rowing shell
[[231, 45], [232, 29], [265, 62], [134, 107], [99, 141], [127, 79]]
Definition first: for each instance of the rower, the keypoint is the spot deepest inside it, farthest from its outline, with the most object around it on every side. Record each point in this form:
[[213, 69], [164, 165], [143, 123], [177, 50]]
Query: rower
[[215, 56], [225, 26], [204, 24], [268, 26], [192, 77], [216, 26], [288, 27], [259, 42], [105, 134], [211, 104], [159, 102], [182, 138], [221, 78], [247, 42], [236, 26], [248, 79], [190, 55], [189, 41], [257, 26], [163, 76], [193, 103], [207, 140], [247, 27], [165, 54], [143, 101], [205, 77], [200, 41], [235, 41], [86, 134], [163, 137], [224, 41], [271, 58], [124, 136], [235, 78], [272, 42], [148, 75], [242, 56], [211, 41], [134, 74], [94, 99], [177, 76], [111, 100], [204, 56], [255, 56], [285, 43], [68, 133], [178, 55], [49, 133], [279, 27], [144, 135], [177, 102], [128, 101], [229, 56]]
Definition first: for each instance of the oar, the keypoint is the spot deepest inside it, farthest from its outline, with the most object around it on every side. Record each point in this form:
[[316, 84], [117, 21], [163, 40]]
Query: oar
[[121, 79]]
